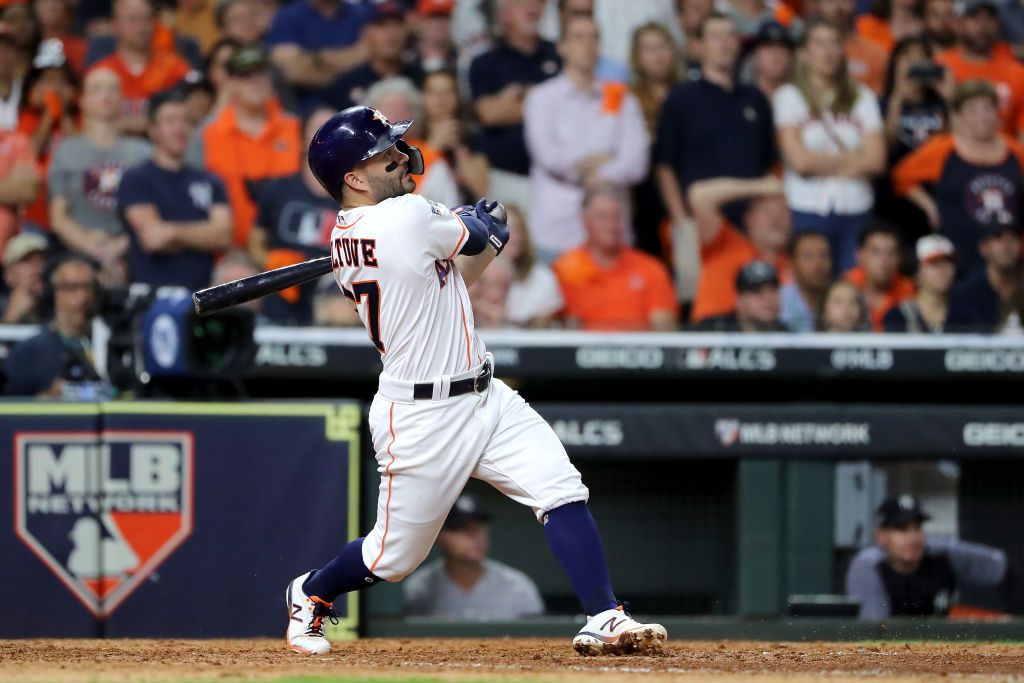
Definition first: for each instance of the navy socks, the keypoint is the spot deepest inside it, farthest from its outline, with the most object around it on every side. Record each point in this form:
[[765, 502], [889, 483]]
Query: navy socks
[[574, 540], [344, 574]]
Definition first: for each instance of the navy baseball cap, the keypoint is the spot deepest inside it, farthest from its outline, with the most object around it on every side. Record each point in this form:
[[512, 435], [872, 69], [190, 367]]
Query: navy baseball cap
[[966, 7], [466, 509], [755, 275], [389, 9], [773, 33], [899, 511], [997, 229]]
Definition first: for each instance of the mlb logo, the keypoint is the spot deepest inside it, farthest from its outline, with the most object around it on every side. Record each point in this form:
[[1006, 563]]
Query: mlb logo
[[727, 431], [103, 510]]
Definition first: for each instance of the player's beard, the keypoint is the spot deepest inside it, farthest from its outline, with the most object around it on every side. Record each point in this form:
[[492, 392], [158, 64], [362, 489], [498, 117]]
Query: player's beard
[[390, 185]]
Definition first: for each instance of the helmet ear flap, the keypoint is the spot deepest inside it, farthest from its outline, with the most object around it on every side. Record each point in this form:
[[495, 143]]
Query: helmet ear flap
[[414, 154]]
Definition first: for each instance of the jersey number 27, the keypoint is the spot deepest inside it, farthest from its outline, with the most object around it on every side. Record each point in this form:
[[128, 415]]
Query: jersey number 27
[[371, 290]]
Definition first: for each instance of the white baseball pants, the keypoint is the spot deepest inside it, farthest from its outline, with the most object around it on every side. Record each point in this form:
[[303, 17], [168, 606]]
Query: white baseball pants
[[428, 449]]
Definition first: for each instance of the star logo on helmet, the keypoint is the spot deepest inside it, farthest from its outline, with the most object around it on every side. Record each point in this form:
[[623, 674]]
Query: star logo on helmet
[[377, 116]]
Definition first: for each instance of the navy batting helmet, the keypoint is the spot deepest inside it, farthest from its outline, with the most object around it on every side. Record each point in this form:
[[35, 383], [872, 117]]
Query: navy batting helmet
[[354, 135]]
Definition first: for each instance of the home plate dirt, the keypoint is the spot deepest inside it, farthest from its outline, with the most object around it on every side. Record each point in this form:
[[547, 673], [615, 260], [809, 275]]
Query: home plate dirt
[[503, 659]]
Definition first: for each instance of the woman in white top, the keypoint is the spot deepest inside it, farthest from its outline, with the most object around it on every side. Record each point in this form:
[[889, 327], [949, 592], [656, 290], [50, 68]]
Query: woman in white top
[[831, 136], [535, 298]]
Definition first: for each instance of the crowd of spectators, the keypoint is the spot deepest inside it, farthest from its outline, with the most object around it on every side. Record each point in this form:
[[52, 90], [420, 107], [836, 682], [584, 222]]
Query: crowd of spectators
[[730, 165]]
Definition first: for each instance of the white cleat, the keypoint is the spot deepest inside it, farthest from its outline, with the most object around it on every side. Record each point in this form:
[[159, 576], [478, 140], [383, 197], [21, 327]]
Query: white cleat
[[306, 614], [614, 632]]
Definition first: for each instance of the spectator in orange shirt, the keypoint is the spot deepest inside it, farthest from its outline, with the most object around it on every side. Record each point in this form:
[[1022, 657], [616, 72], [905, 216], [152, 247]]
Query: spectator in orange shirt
[[970, 180], [757, 303], [865, 58], [250, 140], [890, 21], [980, 55], [725, 249], [56, 20], [877, 272], [19, 181], [608, 285], [143, 71], [940, 23]]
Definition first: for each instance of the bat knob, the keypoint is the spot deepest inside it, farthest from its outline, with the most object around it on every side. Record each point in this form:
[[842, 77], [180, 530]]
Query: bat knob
[[498, 212]]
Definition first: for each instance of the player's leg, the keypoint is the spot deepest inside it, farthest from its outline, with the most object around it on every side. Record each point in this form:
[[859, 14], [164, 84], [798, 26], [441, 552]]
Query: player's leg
[[425, 453], [525, 460]]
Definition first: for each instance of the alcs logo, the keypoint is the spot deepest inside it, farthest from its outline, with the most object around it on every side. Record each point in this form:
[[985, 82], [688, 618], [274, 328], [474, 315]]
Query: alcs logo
[[103, 511]]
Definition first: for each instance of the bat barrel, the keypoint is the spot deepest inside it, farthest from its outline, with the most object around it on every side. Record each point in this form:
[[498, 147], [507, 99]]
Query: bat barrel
[[219, 297]]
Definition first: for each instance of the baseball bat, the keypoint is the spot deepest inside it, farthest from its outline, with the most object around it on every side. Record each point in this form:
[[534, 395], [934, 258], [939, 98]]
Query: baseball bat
[[229, 294], [219, 297]]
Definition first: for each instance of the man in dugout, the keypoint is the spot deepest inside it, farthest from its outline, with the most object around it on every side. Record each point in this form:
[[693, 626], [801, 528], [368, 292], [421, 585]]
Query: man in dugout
[[906, 574]]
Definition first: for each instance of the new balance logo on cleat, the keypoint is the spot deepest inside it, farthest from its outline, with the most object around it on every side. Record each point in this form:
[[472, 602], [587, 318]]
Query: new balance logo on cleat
[[615, 632], [306, 614]]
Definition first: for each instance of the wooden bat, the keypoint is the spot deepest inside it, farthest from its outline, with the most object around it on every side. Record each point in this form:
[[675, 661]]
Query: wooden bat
[[219, 297], [229, 294]]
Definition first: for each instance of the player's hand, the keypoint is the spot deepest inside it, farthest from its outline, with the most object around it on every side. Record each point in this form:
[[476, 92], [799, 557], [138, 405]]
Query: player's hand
[[494, 217]]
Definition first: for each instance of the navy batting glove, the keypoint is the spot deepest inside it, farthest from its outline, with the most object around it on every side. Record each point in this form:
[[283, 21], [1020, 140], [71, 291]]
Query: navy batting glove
[[497, 227]]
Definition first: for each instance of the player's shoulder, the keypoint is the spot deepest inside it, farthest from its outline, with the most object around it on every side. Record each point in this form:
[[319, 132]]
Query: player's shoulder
[[867, 558]]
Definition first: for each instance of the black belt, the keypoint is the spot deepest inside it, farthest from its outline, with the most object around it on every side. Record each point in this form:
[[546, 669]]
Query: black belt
[[479, 384]]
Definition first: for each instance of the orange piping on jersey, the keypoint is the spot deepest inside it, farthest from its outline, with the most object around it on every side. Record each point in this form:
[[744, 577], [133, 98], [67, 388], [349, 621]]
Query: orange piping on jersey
[[346, 227], [387, 505], [465, 328], [465, 233]]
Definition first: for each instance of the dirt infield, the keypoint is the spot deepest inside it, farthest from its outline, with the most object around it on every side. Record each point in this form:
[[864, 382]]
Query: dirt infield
[[497, 659]]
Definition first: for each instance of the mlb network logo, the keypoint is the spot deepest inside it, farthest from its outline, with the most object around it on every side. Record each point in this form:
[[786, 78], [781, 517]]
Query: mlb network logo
[[103, 510]]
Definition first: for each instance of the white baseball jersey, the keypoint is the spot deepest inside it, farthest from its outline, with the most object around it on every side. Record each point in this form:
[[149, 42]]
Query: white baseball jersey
[[395, 261]]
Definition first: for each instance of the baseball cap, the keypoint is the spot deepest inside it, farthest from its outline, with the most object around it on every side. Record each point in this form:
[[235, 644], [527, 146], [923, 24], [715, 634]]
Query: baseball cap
[[389, 9], [755, 275], [466, 509], [773, 33], [998, 228], [247, 60], [899, 510], [965, 7], [933, 248], [431, 7], [20, 246]]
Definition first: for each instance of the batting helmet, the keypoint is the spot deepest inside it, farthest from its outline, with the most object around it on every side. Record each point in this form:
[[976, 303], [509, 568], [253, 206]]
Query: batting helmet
[[354, 135]]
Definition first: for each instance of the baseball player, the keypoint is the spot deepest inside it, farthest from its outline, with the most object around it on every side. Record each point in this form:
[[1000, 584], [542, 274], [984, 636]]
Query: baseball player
[[439, 416]]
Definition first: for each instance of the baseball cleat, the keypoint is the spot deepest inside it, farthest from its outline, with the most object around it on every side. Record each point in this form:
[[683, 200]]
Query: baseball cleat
[[306, 614], [615, 632]]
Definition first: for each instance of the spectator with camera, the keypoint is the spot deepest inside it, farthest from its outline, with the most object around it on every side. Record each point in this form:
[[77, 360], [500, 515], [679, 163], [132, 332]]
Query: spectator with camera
[[810, 259], [614, 149], [830, 135], [607, 284], [843, 310], [446, 131], [762, 235], [176, 216], [928, 310], [58, 362], [757, 303], [877, 273], [84, 175], [980, 55], [975, 304], [23, 264], [970, 180], [916, 97], [907, 574]]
